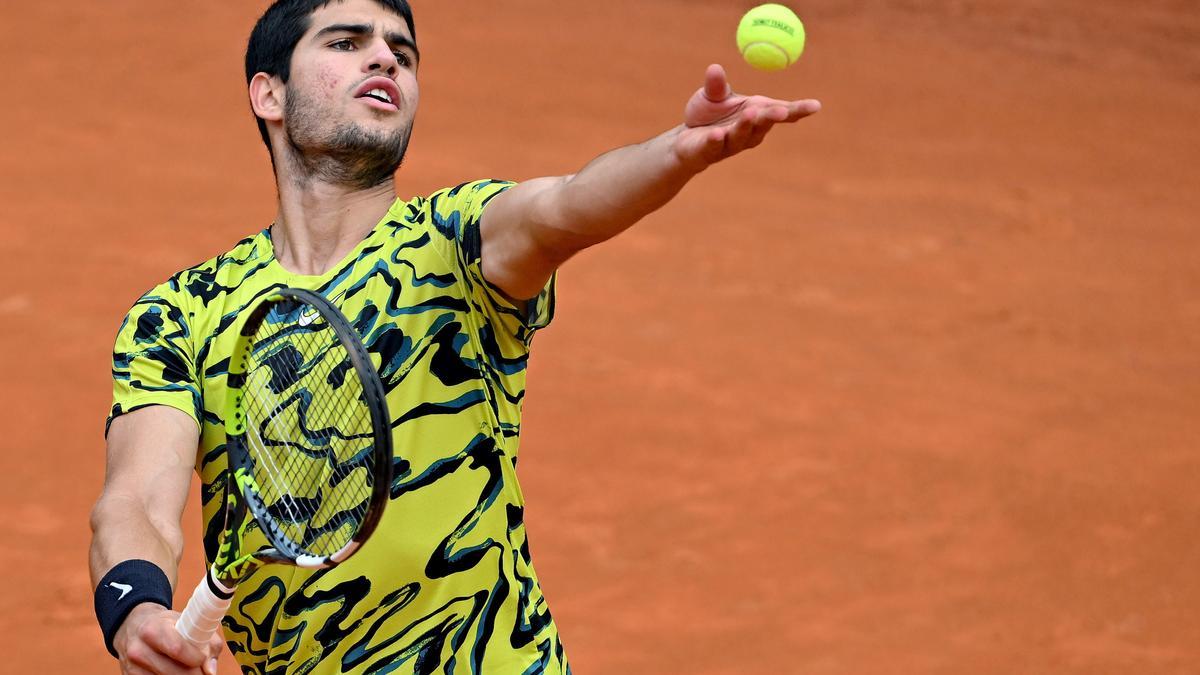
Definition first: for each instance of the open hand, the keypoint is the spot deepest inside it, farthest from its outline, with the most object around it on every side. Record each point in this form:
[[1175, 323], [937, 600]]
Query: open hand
[[719, 123]]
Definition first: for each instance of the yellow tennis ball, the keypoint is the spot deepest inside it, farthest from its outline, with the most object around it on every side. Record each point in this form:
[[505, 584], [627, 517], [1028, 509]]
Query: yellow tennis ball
[[770, 37]]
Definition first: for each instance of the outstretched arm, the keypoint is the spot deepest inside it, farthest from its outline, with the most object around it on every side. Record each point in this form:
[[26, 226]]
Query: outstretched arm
[[536, 226]]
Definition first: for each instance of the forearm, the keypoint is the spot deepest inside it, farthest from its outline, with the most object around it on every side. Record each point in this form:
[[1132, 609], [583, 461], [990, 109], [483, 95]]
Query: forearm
[[151, 452], [123, 530], [140, 630], [615, 191], [532, 229]]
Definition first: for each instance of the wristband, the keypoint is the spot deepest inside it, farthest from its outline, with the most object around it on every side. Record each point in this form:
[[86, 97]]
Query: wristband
[[126, 586]]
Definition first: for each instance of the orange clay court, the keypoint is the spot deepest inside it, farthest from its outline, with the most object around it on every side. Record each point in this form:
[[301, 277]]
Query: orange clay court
[[912, 388]]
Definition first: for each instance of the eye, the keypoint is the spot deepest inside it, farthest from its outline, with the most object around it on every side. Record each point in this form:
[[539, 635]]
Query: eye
[[343, 45], [403, 59]]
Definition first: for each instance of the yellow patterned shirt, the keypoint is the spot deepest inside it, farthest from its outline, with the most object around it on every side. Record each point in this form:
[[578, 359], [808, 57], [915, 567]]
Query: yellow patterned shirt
[[445, 584]]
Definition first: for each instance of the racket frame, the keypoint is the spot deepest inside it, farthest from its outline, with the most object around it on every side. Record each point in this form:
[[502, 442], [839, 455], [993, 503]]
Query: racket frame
[[212, 596], [235, 430]]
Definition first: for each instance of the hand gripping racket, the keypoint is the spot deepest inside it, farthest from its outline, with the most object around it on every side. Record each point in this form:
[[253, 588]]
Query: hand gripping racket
[[309, 445]]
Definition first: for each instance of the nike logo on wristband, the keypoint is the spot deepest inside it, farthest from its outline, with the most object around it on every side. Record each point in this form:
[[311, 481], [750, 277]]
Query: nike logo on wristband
[[124, 588]]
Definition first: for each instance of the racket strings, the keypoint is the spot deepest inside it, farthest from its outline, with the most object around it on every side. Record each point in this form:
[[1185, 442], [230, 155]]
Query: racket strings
[[263, 457], [309, 433], [307, 421], [355, 421]]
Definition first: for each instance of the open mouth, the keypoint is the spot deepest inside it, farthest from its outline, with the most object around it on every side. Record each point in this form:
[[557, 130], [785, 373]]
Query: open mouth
[[380, 92], [379, 95]]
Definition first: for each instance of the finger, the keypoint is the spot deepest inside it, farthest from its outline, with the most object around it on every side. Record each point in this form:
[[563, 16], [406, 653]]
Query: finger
[[142, 656], [167, 641], [772, 114], [758, 135], [714, 144], [801, 109], [761, 127], [741, 131], [716, 84], [710, 147], [215, 646]]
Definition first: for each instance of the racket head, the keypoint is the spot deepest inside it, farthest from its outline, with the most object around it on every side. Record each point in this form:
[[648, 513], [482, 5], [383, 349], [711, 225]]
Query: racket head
[[307, 431]]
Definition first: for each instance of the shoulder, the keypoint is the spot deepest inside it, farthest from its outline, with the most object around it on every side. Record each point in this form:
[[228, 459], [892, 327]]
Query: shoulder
[[190, 291], [465, 200], [200, 284], [454, 212]]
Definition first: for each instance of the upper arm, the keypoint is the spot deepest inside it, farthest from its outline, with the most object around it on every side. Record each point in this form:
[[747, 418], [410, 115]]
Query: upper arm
[[150, 459], [520, 248], [152, 453]]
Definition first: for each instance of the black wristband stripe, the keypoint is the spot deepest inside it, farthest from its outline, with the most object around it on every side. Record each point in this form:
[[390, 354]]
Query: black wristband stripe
[[126, 586]]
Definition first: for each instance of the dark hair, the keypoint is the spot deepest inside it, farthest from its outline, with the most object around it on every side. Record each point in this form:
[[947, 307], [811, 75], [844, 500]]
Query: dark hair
[[279, 30]]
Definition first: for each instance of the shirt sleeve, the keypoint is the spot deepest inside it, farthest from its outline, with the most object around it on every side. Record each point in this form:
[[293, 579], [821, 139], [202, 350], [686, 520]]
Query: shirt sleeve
[[460, 210], [153, 359]]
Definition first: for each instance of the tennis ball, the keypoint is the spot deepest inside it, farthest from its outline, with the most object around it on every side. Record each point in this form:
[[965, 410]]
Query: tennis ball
[[770, 37]]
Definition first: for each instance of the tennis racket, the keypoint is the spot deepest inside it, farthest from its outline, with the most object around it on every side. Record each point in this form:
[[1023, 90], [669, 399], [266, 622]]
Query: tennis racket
[[309, 444]]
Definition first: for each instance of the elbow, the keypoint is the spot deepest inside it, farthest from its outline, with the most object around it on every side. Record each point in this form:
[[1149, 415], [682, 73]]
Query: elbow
[[124, 521], [100, 514]]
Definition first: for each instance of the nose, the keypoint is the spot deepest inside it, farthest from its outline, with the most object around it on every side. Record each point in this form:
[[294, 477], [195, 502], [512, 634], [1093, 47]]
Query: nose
[[381, 59]]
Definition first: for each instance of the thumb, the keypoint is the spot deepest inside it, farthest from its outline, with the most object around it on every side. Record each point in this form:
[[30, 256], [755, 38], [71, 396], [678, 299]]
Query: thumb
[[716, 84], [215, 645]]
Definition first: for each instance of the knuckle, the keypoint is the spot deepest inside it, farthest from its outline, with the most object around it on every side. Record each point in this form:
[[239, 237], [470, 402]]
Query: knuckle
[[137, 653], [147, 634], [143, 630], [182, 652]]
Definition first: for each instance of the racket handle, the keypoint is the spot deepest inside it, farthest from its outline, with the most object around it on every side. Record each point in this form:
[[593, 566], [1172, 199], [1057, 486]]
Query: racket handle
[[202, 617]]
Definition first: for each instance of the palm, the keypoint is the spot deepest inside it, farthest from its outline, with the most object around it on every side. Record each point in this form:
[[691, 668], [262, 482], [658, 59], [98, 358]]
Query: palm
[[720, 124]]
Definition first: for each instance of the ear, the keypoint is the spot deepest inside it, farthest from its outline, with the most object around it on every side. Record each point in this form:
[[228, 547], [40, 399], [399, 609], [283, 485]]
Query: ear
[[266, 97]]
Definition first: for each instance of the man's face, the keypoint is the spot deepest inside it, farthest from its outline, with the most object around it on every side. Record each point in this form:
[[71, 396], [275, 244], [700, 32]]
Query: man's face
[[352, 97]]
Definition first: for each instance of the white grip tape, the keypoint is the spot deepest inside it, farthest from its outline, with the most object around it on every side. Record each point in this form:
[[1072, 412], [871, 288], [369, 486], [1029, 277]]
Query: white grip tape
[[202, 616]]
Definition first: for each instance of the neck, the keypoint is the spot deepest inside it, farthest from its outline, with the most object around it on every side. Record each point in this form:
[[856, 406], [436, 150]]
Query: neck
[[319, 223]]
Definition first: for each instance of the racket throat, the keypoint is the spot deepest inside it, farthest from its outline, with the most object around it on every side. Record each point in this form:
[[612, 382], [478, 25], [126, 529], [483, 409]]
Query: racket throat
[[229, 574]]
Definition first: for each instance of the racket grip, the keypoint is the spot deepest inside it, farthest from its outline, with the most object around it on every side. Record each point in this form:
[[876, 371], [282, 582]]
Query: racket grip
[[202, 616]]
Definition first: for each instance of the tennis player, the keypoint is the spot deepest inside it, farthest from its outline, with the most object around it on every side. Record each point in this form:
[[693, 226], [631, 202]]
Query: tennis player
[[447, 291]]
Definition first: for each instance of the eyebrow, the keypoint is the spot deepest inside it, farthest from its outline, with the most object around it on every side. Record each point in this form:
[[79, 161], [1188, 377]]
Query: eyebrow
[[394, 40]]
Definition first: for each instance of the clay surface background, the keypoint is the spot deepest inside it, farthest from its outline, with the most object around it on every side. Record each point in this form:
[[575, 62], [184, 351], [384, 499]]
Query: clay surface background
[[913, 388]]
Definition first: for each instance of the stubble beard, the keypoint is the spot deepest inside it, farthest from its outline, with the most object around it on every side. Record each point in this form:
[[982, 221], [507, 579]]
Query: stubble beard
[[347, 155]]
